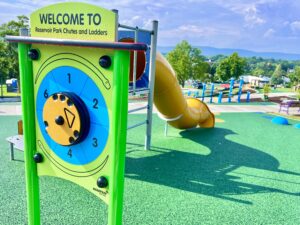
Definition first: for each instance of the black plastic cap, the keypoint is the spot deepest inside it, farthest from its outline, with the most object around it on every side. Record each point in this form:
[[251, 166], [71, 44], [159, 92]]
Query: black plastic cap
[[34, 54], [102, 182], [38, 158], [105, 61], [59, 120]]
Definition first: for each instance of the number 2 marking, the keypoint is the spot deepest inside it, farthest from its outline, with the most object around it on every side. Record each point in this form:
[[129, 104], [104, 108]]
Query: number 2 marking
[[95, 101]]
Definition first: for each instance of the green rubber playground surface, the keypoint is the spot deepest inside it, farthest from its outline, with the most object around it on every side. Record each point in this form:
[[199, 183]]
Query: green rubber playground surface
[[245, 171]]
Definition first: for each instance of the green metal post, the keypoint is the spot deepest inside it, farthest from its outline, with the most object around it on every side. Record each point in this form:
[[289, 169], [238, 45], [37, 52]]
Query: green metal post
[[119, 129], [32, 182]]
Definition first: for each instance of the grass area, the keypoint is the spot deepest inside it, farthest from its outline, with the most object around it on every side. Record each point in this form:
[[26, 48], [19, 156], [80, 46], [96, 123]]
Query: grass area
[[4, 92], [277, 90], [244, 171]]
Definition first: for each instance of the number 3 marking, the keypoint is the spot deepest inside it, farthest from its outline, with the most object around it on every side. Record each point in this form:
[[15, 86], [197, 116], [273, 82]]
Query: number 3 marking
[[95, 142]]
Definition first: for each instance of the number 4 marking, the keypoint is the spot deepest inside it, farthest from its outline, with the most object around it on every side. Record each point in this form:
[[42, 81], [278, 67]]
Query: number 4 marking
[[70, 153]]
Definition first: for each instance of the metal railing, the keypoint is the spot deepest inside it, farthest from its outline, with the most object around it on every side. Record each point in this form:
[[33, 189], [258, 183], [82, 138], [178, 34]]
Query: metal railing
[[150, 88]]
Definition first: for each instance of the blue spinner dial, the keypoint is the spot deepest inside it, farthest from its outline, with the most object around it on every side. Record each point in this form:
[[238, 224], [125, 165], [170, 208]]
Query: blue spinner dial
[[61, 89]]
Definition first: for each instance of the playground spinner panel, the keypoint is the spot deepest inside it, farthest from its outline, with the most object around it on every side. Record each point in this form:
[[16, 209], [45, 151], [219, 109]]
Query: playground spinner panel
[[73, 111]]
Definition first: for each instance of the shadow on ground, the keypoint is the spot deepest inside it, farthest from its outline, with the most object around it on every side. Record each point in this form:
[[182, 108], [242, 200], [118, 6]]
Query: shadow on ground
[[204, 174]]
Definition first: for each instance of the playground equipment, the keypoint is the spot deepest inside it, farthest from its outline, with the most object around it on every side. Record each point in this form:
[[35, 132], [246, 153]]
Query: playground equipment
[[74, 79], [211, 92], [285, 105], [230, 89], [280, 120], [142, 71], [240, 90], [179, 112], [220, 97], [203, 91], [248, 96]]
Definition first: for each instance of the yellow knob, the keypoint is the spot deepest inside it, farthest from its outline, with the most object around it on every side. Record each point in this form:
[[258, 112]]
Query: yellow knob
[[63, 116]]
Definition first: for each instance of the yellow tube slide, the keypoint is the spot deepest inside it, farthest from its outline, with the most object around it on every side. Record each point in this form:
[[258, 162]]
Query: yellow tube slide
[[180, 112]]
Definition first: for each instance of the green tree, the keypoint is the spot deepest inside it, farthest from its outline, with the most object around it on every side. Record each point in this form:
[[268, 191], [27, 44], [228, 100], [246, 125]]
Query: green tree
[[233, 66], [212, 72], [237, 65], [187, 62], [217, 58], [214, 63], [223, 70], [295, 75], [200, 69], [277, 75], [267, 67], [258, 71], [3, 63], [259, 66], [9, 66]]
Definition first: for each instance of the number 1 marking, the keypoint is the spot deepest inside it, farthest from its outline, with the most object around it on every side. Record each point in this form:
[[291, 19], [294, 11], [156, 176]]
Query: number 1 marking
[[69, 78]]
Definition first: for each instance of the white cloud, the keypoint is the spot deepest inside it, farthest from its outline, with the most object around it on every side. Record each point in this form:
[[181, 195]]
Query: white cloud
[[295, 26], [269, 33], [222, 23], [194, 32], [249, 11], [251, 16], [131, 21]]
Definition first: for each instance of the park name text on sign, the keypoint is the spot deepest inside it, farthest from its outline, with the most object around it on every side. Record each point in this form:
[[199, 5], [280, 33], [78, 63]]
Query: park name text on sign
[[74, 21]]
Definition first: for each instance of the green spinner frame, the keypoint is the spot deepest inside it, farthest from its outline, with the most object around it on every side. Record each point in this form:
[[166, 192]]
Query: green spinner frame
[[118, 108]]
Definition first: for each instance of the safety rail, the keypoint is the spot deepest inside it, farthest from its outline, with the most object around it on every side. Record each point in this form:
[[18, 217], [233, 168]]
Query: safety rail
[[137, 109], [168, 120], [138, 91], [135, 28], [150, 90], [137, 125], [81, 43]]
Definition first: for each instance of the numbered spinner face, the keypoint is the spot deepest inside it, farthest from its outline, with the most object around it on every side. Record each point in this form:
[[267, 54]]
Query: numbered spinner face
[[72, 115]]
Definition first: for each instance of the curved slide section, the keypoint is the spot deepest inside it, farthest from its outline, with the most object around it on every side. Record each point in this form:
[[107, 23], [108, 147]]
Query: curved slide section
[[180, 112]]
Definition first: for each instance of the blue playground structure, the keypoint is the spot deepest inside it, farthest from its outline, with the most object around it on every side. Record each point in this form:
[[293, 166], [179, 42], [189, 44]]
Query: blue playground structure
[[280, 120]]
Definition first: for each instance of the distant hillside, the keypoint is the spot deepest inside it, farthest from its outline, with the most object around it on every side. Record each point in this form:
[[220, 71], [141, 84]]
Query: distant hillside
[[211, 51]]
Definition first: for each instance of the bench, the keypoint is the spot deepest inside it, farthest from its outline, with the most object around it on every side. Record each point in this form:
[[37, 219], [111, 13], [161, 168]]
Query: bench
[[286, 104], [16, 142]]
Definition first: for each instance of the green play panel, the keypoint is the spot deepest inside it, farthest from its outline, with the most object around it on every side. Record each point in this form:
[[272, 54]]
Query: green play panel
[[245, 171]]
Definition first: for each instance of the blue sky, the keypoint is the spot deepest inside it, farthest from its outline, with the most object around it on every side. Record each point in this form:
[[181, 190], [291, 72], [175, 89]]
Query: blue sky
[[259, 25]]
